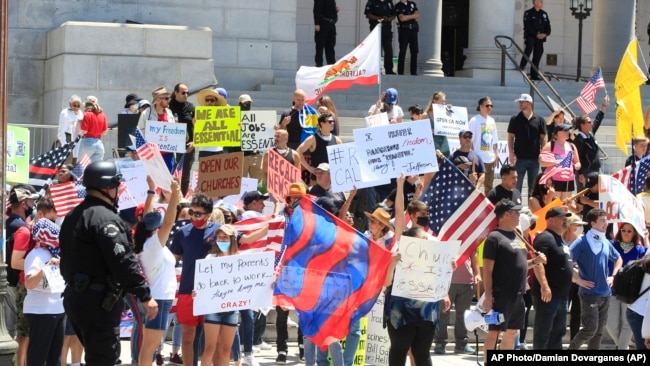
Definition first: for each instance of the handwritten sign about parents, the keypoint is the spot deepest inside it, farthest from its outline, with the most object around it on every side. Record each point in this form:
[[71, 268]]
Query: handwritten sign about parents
[[449, 121], [257, 130], [619, 203], [217, 126], [424, 272], [235, 282], [220, 175], [347, 171], [169, 136], [281, 173], [377, 340], [392, 149]]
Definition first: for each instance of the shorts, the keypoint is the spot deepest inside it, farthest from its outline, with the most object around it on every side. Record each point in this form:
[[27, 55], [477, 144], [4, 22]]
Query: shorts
[[513, 310], [69, 330], [229, 318], [561, 186], [22, 326], [185, 311], [160, 321]]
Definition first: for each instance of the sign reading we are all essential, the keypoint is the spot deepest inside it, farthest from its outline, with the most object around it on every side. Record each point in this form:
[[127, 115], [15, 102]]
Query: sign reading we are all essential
[[217, 126], [257, 130], [169, 136], [281, 173], [220, 175]]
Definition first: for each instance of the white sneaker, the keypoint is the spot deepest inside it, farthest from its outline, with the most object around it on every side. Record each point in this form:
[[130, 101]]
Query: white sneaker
[[256, 349], [264, 346], [291, 323], [250, 361]]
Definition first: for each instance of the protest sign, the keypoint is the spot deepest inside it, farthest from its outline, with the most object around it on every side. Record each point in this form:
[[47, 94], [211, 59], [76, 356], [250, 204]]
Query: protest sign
[[136, 182], [449, 121], [380, 119], [619, 203], [220, 175], [247, 185], [503, 158], [234, 282], [217, 126], [53, 278], [17, 153], [347, 171], [281, 173], [257, 130], [377, 340], [169, 136], [399, 148], [155, 166], [360, 353], [424, 272]]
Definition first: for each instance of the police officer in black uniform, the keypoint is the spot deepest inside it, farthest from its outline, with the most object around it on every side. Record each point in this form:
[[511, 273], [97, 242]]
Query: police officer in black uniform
[[407, 34], [384, 11], [325, 17], [537, 27], [98, 265]]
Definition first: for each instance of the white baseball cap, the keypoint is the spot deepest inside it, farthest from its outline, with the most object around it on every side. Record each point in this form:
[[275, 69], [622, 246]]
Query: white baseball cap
[[524, 98]]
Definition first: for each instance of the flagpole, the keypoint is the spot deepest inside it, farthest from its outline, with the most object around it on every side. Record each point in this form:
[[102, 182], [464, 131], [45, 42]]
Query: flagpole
[[640, 51]]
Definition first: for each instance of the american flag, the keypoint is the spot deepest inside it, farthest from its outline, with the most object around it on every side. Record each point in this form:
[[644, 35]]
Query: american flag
[[633, 176], [272, 240], [78, 169], [45, 232], [596, 82], [44, 167], [67, 196], [457, 210], [146, 150], [586, 106], [564, 168], [178, 172]]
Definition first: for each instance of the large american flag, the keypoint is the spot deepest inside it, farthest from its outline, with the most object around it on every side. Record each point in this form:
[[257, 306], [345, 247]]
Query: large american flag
[[586, 106], [272, 240], [457, 210], [145, 150], [44, 167], [633, 176], [67, 196], [564, 168], [596, 82]]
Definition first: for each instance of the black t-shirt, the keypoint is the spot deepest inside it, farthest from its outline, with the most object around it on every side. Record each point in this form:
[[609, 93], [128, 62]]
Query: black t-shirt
[[510, 263], [473, 157], [497, 193], [185, 113], [318, 191], [294, 129], [528, 134], [406, 9], [409, 192], [559, 266], [380, 8]]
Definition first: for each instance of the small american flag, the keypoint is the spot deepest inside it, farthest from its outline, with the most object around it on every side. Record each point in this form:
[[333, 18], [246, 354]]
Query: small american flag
[[586, 106], [457, 210], [67, 196], [596, 82], [44, 167], [178, 172], [145, 150], [563, 168], [78, 169]]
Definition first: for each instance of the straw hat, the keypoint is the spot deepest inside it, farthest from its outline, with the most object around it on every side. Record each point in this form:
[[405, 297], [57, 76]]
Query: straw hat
[[380, 215], [200, 97]]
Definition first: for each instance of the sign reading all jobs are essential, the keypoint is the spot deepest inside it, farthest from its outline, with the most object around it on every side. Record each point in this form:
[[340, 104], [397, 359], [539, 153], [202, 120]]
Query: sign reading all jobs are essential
[[217, 126], [257, 130]]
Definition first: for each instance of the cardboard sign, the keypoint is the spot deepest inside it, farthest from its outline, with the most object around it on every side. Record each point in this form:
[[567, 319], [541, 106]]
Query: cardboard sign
[[220, 175], [377, 340], [619, 203], [257, 130], [17, 153], [347, 171], [217, 126], [380, 119], [169, 136], [235, 282], [449, 121], [424, 272], [393, 149], [281, 173]]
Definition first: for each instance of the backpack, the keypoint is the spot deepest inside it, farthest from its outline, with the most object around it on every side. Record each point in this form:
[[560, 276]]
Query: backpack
[[627, 283]]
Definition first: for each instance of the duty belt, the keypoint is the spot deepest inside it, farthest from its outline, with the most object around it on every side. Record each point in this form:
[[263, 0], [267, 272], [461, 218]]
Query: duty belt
[[408, 26], [333, 21]]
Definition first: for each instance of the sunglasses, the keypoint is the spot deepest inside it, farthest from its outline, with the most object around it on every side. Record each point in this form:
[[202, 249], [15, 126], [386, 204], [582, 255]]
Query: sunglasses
[[329, 121], [76, 105], [164, 98], [627, 231], [185, 93], [488, 105], [196, 214], [210, 100]]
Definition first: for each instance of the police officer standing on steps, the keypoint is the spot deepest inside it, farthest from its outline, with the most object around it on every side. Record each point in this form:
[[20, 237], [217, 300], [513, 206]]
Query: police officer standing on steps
[[325, 17], [537, 27], [98, 265], [407, 34], [383, 11]]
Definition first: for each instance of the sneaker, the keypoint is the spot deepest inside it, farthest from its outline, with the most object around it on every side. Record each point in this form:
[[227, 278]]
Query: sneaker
[[250, 361], [264, 346], [159, 359], [301, 353], [464, 350], [282, 358], [256, 349], [523, 346], [175, 359], [291, 324], [440, 349]]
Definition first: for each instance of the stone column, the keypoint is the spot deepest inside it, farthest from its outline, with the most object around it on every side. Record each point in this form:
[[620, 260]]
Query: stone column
[[482, 52], [429, 37], [611, 41]]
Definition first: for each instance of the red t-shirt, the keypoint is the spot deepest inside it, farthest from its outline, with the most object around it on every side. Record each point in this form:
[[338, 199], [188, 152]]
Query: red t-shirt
[[22, 243], [94, 124]]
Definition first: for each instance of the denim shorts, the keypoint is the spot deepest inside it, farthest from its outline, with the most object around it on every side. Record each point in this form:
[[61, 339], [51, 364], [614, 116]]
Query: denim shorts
[[160, 321], [228, 318]]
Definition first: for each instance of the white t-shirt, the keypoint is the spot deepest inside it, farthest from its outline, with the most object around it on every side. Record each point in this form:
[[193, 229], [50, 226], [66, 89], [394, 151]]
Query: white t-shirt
[[159, 264], [395, 113], [40, 299], [485, 136], [249, 214]]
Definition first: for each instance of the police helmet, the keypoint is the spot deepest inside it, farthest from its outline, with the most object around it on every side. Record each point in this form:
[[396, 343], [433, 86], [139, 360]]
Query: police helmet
[[101, 174]]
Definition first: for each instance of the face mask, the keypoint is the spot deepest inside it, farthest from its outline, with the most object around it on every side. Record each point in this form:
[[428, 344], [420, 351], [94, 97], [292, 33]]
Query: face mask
[[199, 223], [29, 211], [224, 246], [422, 221], [579, 230]]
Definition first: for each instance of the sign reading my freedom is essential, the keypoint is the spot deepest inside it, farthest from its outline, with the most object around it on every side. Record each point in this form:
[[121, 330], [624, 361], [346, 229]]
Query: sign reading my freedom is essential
[[169, 136], [281, 173], [17, 164], [348, 172], [234, 282], [220, 175], [449, 121], [217, 126], [393, 149], [257, 130]]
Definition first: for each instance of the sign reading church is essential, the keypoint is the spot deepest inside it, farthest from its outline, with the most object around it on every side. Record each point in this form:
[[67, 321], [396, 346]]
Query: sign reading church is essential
[[220, 175], [257, 130], [217, 126]]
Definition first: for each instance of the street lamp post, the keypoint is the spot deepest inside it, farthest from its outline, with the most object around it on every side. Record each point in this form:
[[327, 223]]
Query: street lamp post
[[580, 9]]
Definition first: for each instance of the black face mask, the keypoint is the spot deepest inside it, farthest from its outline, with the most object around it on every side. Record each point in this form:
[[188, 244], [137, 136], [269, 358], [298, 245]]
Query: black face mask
[[422, 220], [245, 106], [29, 211]]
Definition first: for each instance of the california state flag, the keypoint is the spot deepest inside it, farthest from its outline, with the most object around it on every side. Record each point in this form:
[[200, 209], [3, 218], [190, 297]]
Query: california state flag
[[361, 66]]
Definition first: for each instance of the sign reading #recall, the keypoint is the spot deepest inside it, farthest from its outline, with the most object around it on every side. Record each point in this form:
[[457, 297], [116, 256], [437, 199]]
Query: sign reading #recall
[[393, 149]]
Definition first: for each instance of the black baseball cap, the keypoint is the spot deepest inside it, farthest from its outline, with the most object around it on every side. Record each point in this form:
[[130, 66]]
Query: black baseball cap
[[557, 211], [254, 196], [591, 179], [505, 205]]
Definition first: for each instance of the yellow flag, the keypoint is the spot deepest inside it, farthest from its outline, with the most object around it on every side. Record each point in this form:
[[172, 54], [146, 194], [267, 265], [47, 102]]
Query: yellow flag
[[629, 112]]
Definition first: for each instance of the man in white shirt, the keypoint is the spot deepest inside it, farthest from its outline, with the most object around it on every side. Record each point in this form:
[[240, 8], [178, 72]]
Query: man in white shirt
[[486, 140]]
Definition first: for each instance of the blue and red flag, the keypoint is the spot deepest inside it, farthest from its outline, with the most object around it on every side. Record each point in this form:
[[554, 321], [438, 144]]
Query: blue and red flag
[[331, 274]]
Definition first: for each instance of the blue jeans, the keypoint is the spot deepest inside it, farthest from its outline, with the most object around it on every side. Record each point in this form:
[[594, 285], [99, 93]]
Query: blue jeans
[[351, 343], [136, 334], [244, 335], [177, 335], [314, 356], [635, 320], [526, 166], [550, 323], [92, 147]]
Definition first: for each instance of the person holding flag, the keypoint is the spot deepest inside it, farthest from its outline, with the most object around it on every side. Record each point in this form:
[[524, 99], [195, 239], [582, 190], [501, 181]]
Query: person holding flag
[[560, 157], [300, 120], [586, 144]]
